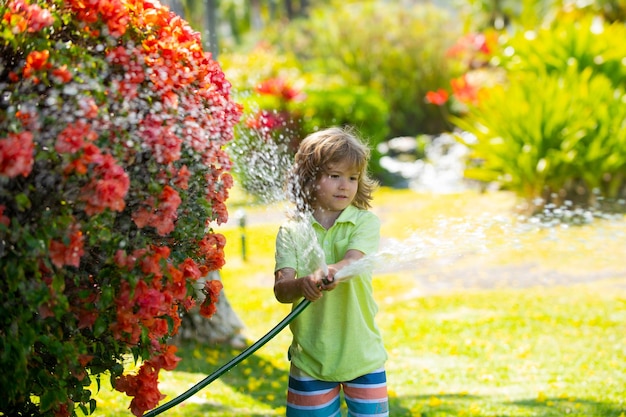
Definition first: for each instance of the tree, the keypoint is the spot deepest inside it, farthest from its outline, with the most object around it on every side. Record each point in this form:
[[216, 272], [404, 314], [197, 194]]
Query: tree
[[113, 121]]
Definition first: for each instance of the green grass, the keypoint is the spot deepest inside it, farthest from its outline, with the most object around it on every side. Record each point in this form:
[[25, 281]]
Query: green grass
[[536, 351]]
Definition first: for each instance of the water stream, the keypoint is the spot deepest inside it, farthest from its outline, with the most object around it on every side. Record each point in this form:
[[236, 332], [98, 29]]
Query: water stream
[[570, 236]]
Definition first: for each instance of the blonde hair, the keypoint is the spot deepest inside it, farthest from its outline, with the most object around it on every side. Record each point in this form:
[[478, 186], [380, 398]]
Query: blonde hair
[[316, 152]]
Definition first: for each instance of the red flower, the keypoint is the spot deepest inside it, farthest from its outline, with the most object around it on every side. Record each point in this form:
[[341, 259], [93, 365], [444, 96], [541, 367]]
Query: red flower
[[17, 23], [35, 61], [188, 266], [266, 121], [182, 179], [90, 155], [63, 409], [143, 386], [109, 191], [72, 138], [16, 154], [151, 260], [113, 13], [189, 303], [473, 43], [67, 254], [438, 98], [62, 74], [177, 285], [463, 90], [161, 217], [211, 247], [278, 87], [29, 119], [84, 359], [166, 360], [4, 219], [212, 289]]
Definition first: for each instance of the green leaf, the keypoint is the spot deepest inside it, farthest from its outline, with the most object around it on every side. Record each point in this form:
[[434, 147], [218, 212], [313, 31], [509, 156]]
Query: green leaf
[[48, 400], [100, 326], [22, 201]]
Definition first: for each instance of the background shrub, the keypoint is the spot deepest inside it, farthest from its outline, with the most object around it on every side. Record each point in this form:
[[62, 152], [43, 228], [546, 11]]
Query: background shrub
[[572, 40], [401, 54], [281, 106], [555, 129]]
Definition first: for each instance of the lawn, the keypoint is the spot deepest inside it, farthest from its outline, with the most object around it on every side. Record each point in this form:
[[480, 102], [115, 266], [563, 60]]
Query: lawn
[[502, 322]]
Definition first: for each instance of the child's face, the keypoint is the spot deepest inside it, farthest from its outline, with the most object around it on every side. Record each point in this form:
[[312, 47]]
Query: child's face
[[337, 187]]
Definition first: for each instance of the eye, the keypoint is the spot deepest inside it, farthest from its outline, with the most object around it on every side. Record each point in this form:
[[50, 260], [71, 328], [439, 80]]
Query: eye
[[353, 178]]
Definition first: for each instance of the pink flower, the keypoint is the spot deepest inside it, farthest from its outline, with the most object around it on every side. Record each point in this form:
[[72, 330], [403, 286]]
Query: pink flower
[[108, 189], [16, 154], [35, 17], [159, 138]]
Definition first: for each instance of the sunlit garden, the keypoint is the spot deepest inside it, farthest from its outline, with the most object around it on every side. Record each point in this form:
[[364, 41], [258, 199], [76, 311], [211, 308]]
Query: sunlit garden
[[143, 152]]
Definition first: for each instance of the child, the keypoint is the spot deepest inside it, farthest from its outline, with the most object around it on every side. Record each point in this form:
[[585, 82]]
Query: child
[[336, 342]]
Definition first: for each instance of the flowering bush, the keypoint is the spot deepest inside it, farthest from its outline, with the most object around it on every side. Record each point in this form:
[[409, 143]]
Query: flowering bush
[[471, 54], [112, 126]]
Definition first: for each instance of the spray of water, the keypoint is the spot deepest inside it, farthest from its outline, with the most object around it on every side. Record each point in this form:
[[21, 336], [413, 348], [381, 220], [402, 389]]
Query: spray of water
[[448, 239], [452, 238], [312, 251], [488, 238]]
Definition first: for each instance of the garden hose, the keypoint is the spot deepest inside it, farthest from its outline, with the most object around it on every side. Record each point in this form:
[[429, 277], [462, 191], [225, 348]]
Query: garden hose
[[232, 363]]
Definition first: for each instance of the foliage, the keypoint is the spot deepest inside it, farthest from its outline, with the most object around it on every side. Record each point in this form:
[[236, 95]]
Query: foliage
[[401, 55], [554, 130], [281, 106], [529, 14], [583, 42], [501, 13], [112, 123], [553, 137], [339, 105]]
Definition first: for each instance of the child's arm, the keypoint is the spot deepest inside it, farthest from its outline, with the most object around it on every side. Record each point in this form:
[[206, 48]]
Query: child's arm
[[350, 256], [288, 289]]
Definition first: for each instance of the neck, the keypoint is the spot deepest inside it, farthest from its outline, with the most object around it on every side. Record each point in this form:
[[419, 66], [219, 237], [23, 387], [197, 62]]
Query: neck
[[325, 217]]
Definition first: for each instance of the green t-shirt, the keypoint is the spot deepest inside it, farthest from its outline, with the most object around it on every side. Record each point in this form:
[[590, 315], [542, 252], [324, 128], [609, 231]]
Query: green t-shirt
[[335, 338]]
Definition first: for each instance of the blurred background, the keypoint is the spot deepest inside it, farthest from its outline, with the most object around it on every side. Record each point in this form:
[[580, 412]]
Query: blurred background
[[526, 96]]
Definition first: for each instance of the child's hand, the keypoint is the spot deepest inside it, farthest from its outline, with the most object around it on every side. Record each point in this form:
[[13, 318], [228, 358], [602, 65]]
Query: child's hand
[[311, 287], [328, 283]]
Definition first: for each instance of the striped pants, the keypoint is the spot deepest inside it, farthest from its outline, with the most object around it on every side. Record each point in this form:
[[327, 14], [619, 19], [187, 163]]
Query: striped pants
[[366, 396]]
